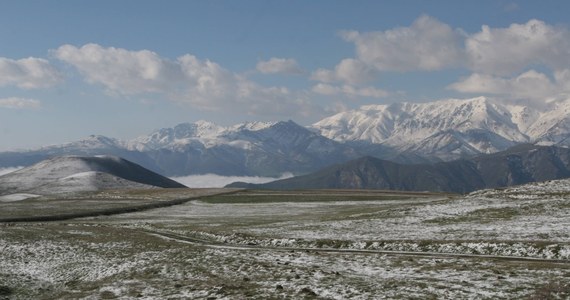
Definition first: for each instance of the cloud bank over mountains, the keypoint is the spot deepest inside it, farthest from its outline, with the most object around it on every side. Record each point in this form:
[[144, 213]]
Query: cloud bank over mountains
[[516, 62], [526, 61]]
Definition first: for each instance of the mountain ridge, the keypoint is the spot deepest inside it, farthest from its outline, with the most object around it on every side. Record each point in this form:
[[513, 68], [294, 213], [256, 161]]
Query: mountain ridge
[[403, 132], [518, 165]]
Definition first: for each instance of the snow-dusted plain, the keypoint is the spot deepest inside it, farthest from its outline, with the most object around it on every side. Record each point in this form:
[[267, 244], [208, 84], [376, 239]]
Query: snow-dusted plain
[[263, 244]]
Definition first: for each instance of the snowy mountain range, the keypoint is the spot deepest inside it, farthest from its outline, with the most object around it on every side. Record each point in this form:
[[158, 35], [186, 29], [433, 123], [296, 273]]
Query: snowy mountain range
[[402, 132], [450, 129]]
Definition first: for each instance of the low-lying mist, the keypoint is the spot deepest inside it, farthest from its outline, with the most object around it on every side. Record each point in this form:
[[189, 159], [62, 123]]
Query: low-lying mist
[[216, 181]]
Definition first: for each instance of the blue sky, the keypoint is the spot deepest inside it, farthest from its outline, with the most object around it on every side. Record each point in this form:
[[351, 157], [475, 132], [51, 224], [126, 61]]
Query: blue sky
[[69, 69]]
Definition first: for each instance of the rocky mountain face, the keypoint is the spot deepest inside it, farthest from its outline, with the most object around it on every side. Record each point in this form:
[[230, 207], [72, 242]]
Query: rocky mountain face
[[518, 165]]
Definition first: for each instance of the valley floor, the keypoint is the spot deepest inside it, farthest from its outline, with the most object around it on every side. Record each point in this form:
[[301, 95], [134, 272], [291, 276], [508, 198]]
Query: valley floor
[[496, 244]]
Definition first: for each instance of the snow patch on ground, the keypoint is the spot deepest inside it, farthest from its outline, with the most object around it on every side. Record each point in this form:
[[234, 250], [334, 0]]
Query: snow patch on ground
[[16, 197], [4, 171]]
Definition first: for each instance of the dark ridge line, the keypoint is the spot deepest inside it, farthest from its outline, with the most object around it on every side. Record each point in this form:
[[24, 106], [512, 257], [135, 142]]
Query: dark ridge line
[[109, 211]]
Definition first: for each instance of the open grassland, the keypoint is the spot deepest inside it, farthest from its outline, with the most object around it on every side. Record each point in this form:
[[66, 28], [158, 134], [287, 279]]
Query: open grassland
[[53, 208], [296, 245]]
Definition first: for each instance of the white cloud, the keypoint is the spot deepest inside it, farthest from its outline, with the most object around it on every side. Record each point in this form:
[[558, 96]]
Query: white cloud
[[504, 51], [350, 91], [217, 181], [28, 73], [427, 44], [502, 59], [201, 83], [531, 85], [120, 70], [349, 71], [4, 171], [279, 66], [19, 103]]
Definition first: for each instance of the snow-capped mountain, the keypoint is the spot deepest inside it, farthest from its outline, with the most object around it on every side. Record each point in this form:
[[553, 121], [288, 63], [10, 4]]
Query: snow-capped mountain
[[451, 128], [202, 132], [255, 148]]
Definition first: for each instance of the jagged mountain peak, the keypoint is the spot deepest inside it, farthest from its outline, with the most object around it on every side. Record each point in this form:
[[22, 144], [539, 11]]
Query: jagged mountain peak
[[252, 126], [412, 126], [206, 133]]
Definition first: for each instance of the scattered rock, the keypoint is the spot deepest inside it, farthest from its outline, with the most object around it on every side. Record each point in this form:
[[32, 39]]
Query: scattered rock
[[5, 291], [107, 295], [307, 291]]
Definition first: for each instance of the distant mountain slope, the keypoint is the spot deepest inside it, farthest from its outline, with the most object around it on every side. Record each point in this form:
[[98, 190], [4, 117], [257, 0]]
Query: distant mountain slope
[[74, 173], [91, 146], [518, 165]]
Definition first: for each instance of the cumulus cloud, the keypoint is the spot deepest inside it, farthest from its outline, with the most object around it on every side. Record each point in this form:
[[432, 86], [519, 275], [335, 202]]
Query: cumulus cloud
[[501, 58], [427, 44], [503, 51], [430, 45], [121, 70], [503, 61], [217, 181], [201, 83], [350, 91], [351, 71], [279, 66], [19, 103], [530, 85], [28, 73]]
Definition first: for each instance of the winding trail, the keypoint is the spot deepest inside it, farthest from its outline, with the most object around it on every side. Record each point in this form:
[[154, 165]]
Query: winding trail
[[215, 245]]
